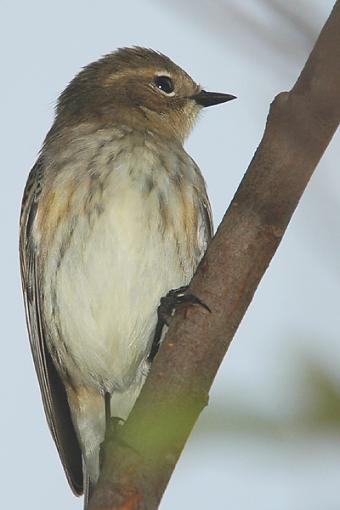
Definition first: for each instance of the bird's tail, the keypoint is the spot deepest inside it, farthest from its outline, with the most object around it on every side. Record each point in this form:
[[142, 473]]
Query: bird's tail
[[88, 487]]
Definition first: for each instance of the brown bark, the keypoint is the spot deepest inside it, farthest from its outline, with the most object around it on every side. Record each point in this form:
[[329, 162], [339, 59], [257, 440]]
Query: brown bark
[[301, 123]]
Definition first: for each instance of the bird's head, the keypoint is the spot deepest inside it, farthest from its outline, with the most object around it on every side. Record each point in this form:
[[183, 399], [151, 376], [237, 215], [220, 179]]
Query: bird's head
[[137, 87]]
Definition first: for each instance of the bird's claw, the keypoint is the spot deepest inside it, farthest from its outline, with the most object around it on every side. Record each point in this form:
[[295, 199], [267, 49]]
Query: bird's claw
[[175, 298], [111, 435]]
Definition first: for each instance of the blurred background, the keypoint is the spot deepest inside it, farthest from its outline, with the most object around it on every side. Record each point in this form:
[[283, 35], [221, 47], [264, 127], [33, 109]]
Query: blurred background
[[270, 438]]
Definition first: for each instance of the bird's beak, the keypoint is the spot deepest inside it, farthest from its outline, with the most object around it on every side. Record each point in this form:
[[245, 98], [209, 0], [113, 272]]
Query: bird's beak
[[204, 98]]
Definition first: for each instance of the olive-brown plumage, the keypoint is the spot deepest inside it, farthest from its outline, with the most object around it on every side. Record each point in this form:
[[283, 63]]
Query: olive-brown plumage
[[114, 215]]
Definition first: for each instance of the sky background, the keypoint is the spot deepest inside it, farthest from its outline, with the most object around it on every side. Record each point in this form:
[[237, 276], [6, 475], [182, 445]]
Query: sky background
[[270, 438]]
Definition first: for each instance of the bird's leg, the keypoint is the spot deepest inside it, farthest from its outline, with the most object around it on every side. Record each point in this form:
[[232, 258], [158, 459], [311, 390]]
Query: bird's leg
[[111, 422], [111, 427], [107, 401], [175, 298]]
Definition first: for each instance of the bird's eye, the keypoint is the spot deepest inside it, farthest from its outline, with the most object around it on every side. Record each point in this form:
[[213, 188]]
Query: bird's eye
[[165, 84]]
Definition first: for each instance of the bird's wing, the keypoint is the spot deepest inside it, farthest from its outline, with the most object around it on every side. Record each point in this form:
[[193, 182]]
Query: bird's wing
[[52, 389], [207, 220], [205, 224]]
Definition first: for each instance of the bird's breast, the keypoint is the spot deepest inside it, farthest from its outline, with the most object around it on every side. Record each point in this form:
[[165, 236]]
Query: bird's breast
[[115, 241]]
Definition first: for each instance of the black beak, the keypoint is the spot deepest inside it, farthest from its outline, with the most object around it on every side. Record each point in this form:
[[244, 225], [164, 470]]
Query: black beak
[[204, 98]]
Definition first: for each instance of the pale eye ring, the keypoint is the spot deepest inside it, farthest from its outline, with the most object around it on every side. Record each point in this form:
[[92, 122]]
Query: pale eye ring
[[165, 84]]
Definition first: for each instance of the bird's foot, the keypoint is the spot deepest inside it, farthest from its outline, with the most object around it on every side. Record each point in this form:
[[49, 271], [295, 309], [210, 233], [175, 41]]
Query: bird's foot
[[112, 427], [111, 435], [175, 298]]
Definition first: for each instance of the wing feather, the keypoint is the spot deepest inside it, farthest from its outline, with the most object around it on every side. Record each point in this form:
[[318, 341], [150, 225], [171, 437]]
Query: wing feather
[[52, 389]]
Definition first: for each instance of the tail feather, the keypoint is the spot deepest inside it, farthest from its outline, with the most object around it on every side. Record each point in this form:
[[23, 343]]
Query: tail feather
[[88, 487]]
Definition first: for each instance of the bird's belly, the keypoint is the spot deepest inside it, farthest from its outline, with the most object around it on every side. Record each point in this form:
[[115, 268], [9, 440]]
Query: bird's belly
[[118, 264]]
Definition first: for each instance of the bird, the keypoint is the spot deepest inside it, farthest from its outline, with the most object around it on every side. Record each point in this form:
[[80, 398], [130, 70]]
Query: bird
[[115, 215]]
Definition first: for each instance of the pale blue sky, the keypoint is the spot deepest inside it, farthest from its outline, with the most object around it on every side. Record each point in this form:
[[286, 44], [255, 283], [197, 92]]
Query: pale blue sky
[[295, 312]]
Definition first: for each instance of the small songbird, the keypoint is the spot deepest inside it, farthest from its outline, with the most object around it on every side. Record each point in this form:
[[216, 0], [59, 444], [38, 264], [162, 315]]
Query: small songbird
[[115, 214]]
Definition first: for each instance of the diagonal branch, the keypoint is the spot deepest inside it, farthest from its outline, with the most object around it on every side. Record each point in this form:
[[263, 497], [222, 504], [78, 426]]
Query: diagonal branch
[[301, 123]]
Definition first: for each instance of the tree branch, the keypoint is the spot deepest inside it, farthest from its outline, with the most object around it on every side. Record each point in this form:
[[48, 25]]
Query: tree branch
[[139, 462]]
